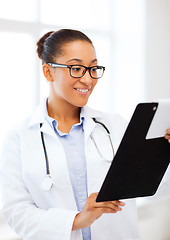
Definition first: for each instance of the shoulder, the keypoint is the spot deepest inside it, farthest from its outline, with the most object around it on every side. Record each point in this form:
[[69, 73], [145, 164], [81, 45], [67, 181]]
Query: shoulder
[[115, 123], [110, 119], [13, 134]]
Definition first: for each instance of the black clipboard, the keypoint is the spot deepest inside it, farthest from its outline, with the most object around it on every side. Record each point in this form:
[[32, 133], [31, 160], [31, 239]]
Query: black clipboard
[[139, 164]]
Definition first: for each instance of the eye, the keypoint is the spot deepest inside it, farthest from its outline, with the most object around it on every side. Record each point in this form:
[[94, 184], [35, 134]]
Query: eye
[[94, 69], [76, 68]]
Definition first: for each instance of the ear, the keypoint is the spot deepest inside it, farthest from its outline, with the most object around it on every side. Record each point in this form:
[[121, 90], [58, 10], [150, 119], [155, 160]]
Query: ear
[[47, 70]]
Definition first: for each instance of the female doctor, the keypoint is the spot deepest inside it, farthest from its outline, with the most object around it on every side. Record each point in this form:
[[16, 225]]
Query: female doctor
[[54, 162]]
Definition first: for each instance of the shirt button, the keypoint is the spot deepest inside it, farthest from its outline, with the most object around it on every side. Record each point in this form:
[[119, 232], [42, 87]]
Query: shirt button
[[83, 198]]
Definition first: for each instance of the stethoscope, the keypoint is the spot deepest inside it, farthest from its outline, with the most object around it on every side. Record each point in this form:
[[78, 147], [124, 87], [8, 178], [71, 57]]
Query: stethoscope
[[48, 182]]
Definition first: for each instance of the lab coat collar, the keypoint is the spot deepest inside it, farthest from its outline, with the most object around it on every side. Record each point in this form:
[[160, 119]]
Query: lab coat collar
[[38, 115]]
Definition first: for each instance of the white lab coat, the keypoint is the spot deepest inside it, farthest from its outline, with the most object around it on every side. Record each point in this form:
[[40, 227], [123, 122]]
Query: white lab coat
[[37, 214]]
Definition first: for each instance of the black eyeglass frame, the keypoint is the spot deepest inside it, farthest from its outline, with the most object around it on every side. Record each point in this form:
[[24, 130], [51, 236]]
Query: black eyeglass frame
[[70, 67]]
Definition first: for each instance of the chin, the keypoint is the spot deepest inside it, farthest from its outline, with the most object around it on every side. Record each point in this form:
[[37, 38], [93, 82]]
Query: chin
[[81, 104]]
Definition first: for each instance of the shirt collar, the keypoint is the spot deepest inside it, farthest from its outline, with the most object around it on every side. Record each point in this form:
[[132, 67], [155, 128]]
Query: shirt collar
[[54, 124]]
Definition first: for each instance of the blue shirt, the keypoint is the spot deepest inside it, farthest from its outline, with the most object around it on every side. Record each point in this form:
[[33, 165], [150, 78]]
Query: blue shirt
[[73, 144]]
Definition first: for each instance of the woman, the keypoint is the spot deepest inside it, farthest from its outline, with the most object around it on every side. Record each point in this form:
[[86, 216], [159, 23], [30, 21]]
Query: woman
[[58, 201]]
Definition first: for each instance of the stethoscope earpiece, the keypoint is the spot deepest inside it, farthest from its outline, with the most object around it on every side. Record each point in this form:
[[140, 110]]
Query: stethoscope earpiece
[[47, 183]]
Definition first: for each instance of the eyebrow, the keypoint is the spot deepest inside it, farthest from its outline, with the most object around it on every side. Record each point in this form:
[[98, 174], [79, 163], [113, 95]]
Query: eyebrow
[[80, 61]]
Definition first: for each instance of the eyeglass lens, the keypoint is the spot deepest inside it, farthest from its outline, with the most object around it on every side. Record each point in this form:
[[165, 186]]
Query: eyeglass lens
[[78, 71]]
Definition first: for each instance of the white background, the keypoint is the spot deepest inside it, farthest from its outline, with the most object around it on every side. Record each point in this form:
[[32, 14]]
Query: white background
[[132, 40]]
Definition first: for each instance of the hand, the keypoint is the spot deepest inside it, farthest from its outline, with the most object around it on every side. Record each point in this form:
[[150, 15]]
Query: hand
[[93, 210], [167, 135]]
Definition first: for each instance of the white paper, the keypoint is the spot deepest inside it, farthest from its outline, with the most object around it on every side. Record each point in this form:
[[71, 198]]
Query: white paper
[[161, 120]]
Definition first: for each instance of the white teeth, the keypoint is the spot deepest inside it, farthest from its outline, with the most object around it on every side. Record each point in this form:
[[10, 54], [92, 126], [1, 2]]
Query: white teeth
[[82, 90]]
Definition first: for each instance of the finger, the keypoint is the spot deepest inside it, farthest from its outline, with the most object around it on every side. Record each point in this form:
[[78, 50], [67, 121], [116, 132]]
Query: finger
[[119, 203], [168, 131], [167, 136], [93, 195], [111, 205], [117, 206], [109, 210]]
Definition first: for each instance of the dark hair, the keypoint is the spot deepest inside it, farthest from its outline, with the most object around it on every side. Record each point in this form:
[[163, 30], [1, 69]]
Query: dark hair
[[50, 45]]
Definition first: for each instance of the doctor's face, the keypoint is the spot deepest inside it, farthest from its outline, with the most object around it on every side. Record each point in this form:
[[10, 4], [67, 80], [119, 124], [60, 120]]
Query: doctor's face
[[74, 91]]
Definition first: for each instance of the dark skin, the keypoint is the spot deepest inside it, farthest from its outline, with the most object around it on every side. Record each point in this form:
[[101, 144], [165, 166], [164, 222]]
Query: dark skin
[[67, 96], [167, 135]]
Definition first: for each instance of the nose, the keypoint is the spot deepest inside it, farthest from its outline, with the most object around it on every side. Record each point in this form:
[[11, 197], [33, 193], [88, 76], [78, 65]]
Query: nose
[[86, 79]]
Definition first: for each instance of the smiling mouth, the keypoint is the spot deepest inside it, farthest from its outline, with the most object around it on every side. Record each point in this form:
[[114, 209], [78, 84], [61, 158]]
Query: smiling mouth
[[82, 90]]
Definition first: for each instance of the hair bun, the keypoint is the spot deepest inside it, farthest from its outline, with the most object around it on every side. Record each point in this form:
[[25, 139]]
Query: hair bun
[[40, 43]]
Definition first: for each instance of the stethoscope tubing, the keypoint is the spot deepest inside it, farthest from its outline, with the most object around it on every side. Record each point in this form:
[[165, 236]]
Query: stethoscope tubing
[[48, 183], [45, 152]]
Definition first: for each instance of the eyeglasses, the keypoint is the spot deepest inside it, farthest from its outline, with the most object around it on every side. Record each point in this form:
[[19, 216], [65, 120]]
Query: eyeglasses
[[78, 71]]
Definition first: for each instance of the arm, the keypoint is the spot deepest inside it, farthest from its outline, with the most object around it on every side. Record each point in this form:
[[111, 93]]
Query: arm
[[20, 211]]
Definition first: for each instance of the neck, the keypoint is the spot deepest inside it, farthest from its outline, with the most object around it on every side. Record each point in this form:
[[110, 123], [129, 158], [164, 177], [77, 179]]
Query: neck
[[62, 111]]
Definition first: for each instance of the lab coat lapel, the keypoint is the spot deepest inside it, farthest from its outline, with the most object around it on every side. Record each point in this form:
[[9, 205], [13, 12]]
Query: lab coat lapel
[[46, 128], [89, 124], [56, 155]]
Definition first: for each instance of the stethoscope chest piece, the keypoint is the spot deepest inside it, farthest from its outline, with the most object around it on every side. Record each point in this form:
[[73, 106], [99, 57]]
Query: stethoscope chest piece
[[47, 183]]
